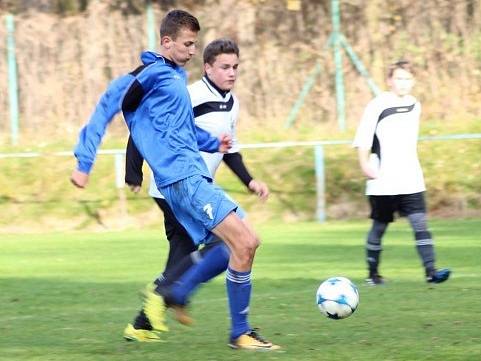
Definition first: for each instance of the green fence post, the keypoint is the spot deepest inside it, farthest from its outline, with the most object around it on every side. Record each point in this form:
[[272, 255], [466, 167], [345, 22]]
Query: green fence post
[[12, 78], [336, 33], [359, 66], [151, 29], [320, 183]]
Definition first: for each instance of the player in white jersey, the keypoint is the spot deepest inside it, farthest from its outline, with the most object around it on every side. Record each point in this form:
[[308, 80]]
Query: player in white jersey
[[216, 110], [386, 140]]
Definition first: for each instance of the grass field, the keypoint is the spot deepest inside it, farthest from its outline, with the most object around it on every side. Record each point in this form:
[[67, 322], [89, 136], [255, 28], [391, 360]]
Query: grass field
[[68, 296]]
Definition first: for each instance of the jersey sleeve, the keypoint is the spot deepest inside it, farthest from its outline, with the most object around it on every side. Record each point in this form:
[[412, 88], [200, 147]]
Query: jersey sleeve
[[91, 134], [205, 141], [235, 162], [367, 126]]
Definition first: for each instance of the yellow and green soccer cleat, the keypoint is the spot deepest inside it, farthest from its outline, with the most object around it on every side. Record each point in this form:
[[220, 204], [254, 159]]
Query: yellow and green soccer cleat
[[140, 335], [252, 341], [154, 308]]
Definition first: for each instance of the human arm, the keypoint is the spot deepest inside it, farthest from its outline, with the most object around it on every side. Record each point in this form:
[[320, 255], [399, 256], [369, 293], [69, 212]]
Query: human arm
[[364, 140], [133, 166], [91, 134], [210, 144], [235, 162], [365, 164]]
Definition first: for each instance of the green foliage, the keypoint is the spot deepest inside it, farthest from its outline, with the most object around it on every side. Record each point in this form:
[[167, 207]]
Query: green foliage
[[68, 296]]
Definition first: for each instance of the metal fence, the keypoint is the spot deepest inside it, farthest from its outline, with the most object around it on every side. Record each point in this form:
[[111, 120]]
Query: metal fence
[[317, 145]]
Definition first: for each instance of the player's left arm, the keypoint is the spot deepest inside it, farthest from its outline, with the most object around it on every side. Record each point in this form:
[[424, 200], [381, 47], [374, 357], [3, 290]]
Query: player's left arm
[[233, 159], [235, 162]]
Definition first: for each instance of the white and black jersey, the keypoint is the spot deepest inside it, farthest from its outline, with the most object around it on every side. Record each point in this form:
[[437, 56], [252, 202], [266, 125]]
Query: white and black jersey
[[389, 127], [216, 112]]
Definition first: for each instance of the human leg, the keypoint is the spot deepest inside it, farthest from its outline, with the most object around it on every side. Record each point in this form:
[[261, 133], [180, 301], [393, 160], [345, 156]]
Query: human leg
[[423, 239], [373, 251], [243, 242], [425, 248], [180, 246], [180, 243], [204, 210], [382, 213], [413, 206], [210, 262]]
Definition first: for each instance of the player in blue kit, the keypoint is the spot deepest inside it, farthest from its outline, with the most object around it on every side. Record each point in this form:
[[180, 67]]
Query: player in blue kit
[[159, 115], [216, 109]]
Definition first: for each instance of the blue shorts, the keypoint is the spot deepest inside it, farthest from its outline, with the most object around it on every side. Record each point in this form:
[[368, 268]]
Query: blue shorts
[[199, 205]]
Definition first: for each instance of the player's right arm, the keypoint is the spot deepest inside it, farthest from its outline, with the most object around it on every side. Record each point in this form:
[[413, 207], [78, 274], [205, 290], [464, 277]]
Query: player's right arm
[[91, 134], [367, 169], [363, 140]]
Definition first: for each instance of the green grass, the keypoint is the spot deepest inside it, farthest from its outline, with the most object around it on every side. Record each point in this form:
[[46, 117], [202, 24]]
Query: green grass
[[68, 296]]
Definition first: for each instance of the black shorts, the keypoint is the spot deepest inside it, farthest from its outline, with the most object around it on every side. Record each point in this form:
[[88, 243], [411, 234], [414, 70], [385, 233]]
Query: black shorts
[[383, 207]]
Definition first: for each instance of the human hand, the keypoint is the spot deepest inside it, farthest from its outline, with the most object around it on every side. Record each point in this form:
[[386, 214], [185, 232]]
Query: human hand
[[369, 171], [135, 188], [79, 179], [225, 143], [260, 189]]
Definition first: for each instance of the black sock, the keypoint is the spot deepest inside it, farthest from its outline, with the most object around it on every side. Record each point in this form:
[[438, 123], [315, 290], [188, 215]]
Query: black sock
[[373, 261], [142, 322]]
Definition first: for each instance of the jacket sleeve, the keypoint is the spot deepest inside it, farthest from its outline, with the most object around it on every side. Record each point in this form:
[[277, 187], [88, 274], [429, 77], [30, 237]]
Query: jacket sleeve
[[236, 164], [206, 142], [133, 164], [91, 134]]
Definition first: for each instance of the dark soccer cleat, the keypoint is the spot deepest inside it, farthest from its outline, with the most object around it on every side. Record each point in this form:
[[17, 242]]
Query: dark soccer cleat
[[252, 341], [438, 276], [375, 280]]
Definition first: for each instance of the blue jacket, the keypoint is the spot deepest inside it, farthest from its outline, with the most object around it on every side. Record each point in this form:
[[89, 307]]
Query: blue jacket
[[158, 112]]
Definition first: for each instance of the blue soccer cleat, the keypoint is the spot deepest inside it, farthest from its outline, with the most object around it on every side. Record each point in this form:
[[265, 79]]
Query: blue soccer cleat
[[438, 276]]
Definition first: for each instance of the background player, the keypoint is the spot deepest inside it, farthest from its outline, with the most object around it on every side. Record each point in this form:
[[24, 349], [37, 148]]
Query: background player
[[386, 140]]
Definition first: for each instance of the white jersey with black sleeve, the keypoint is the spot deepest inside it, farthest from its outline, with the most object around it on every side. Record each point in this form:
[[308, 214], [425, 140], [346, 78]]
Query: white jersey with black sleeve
[[389, 127], [216, 112]]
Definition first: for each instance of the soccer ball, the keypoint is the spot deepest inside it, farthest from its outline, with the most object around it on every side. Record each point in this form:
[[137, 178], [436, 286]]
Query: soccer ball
[[337, 297]]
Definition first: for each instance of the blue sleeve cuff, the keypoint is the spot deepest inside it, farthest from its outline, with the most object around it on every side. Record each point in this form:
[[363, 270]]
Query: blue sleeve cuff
[[84, 167]]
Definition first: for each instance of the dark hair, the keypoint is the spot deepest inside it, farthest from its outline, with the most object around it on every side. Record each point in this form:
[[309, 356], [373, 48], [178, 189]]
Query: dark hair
[[175, 20], [217, 47], [400, 64]]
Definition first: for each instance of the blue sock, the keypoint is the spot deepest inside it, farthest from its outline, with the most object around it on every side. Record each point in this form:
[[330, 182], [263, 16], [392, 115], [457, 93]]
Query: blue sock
[[239, 288], [212, 263]]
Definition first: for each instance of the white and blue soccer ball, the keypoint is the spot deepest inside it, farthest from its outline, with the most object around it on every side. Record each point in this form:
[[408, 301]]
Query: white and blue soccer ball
[[337, 297]]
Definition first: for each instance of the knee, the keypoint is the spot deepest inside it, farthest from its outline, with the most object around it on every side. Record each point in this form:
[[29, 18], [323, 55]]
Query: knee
[[248, 248]]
